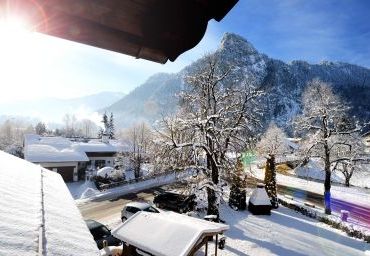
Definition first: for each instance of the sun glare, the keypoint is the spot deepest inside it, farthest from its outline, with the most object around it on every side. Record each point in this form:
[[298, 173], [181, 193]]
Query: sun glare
[[17, 52], [12, 33]]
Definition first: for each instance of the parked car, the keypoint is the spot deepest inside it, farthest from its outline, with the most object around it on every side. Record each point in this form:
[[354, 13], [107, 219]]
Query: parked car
[[100, 233], [175, 202], [134, 207]]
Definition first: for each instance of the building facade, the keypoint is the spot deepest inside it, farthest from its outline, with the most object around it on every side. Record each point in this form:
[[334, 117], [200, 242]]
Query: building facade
[[70, 157]]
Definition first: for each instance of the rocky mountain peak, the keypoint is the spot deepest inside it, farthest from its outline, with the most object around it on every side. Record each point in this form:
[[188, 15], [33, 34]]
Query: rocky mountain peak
[[233, 42]]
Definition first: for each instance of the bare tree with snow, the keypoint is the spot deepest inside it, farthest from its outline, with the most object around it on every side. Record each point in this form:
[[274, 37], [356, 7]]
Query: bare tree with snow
[[216, 121], [271, 145], [347, 157], [88, 127], [139, 138], [322, 120]]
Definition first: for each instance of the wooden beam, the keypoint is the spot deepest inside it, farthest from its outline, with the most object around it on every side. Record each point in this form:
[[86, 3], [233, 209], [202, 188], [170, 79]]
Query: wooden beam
[[156, 30], [120, 15]]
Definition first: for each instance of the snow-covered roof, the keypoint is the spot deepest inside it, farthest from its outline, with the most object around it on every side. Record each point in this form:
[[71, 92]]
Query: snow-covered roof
[[259, 197], [38, 213], [94, 146], [58, 149], [38, 153], [165, 234], [56, 142]]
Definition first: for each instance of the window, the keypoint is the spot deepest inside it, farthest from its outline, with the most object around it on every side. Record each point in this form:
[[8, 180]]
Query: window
[[132, 209], [150, 209], [99, 163]]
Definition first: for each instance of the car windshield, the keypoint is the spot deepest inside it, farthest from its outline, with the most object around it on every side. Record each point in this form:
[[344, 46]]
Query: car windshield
[[150, 209], [100, 232]]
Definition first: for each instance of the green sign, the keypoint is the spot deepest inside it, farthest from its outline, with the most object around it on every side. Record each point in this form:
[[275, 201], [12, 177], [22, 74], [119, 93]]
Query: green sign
[[248, 158]]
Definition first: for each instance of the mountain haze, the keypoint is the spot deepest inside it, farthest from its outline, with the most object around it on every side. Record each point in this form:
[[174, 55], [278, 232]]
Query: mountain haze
[[283, 82], [53, 109]]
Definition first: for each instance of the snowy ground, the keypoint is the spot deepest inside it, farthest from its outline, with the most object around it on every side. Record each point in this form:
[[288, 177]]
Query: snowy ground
[[284, 233]]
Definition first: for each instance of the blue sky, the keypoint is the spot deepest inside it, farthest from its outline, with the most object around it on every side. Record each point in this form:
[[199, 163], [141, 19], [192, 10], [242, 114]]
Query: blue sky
[[337, 30]]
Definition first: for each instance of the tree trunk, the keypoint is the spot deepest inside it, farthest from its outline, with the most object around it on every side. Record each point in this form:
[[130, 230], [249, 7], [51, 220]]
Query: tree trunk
[[212, 202], [347, 174], [270, 180], [347, 181], [327, 183], [211, 194]]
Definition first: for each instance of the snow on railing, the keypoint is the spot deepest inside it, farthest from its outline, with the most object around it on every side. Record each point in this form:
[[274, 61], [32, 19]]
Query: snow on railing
[[136, 180]]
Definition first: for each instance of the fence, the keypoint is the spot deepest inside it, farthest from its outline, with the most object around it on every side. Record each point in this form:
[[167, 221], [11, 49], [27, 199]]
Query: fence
[[103, 186]]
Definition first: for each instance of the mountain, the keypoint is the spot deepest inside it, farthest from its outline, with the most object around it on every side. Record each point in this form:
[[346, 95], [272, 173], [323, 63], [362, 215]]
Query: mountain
[[283, 82], [53, 109]]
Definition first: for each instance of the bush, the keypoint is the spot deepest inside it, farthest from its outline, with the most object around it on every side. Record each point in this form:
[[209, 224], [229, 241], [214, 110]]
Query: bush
[[283, 168]]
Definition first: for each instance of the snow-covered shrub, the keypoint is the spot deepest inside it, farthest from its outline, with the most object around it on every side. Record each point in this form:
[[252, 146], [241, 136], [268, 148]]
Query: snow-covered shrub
[[238, 194], [110, 173]]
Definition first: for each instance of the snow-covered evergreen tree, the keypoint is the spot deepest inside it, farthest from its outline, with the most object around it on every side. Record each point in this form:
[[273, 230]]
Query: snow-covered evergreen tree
[[105, 121], [238, 187], [40, 128], [111, 128]]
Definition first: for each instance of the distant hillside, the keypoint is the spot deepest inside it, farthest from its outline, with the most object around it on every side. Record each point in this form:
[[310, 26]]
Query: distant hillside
[[53, 109], [284, 83]]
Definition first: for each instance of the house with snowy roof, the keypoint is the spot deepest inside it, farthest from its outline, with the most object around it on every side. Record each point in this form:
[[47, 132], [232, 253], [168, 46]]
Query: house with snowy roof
[[70, 157], [38, 214]]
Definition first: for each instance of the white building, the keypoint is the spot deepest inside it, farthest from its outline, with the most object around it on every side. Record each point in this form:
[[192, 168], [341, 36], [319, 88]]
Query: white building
[[38, 215], [67, 157]]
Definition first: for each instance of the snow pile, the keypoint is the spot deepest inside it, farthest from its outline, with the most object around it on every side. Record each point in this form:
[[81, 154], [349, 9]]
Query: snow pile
[[77, 189], [88, 193], [259, 197], [110, 172]]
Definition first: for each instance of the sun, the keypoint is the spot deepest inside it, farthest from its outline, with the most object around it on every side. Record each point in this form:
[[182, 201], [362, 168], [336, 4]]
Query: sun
[[18, 54], [13, 37]]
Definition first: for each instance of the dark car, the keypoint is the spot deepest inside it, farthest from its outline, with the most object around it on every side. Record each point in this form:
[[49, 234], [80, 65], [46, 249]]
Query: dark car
[[101, 233], [175, 202]]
